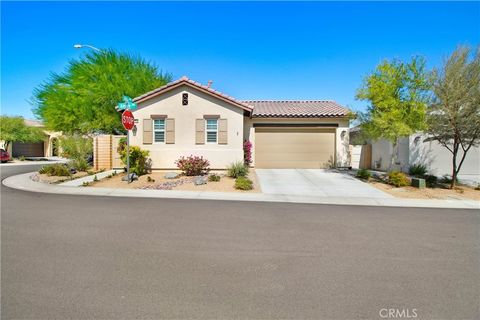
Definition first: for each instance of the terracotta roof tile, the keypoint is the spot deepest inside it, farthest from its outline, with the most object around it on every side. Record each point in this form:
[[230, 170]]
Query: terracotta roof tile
[[263, 108], [296, 108]]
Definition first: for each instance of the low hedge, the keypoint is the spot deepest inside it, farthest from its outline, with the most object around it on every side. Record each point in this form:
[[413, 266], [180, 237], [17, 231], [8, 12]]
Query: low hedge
[[364, 174], [398, 179], [243, 183], [56, 169]]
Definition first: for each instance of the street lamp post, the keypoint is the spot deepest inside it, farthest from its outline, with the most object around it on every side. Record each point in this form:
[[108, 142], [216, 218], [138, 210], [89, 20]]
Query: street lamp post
[[79, 46]]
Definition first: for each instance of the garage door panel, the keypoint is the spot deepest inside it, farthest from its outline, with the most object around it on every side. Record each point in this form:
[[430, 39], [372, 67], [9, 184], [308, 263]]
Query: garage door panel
[[35, 149], [294, 148]]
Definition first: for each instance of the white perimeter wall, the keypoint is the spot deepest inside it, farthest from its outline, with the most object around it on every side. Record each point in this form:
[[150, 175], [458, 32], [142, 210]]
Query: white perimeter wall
[[414, 149]]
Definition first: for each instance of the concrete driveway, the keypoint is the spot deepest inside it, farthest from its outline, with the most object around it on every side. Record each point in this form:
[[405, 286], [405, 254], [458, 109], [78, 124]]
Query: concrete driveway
[[315, 182]]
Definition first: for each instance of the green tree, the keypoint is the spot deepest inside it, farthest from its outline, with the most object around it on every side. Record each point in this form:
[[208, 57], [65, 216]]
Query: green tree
[[78, 149], [82, 99], [14, 129], [454, 116], [398, 96]]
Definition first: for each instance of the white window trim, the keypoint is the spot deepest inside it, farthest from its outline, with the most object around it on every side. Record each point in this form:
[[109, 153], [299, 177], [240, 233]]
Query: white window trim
[[210, 130], [159, 130]]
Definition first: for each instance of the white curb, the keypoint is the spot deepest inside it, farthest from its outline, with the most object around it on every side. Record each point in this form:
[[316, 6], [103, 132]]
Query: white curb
[[23, 182]]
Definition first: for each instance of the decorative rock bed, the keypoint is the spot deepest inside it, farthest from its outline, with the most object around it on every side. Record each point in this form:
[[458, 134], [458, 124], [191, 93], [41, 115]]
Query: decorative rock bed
[[169, 185]]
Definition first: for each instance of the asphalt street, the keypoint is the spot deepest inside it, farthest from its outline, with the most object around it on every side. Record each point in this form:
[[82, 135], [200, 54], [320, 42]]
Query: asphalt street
[[78, 257]]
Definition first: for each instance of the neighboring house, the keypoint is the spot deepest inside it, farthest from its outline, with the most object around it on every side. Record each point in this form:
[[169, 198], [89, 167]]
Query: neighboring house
[[418, 149], [185, 117], [46, 148]]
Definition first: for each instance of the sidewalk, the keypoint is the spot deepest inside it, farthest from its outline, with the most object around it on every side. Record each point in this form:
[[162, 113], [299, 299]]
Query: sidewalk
[[23, 182]]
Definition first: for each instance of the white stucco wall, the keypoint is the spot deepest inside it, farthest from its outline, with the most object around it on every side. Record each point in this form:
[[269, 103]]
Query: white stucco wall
[[439, 160], [414, 149], [170, 103], [342, 144], [382, 151]]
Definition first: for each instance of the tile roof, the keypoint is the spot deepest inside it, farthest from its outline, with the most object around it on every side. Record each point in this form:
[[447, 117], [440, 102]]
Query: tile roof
[[198, 85], [296, 108], [261, 108]]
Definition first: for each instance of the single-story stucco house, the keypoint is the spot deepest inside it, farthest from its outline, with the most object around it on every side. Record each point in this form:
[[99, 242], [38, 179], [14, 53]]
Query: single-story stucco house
[[47, 148], [186, 118]]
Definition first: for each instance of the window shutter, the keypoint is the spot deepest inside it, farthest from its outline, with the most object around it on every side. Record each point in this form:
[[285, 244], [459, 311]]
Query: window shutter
[[147, 131], [170, 131], [200, 131], [222, 131]]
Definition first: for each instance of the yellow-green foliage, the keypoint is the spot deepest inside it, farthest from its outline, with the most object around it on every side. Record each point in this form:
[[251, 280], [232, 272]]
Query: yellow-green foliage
[[398, 179], [139, 163], [56, 169], [243, 183]]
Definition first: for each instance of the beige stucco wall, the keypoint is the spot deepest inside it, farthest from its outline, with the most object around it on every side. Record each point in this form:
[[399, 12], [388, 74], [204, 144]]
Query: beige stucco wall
[[48, 143], [341, 141], [200, 104]]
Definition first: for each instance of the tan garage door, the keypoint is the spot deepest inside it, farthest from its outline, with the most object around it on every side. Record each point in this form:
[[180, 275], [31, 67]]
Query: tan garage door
[[294, 148], [27, 149]]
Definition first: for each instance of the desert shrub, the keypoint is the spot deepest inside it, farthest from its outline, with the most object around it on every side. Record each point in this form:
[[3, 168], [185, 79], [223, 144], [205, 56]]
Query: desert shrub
[[80, 164], [247, 153], [243, 183], [214, 177], [364, 174], [139, 162], [417, 170], [398, 179], [149, 179], [95, 178], [21, 158], [193, 165], [56, 169], [447, 179], [237, 169], [85, 184], [78, 149], [430, 180], [122, 144], [477, 187]]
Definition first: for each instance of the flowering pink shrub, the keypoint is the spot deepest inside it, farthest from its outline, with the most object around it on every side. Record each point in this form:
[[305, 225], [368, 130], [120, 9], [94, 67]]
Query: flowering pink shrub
[[193, 165], [247, 153]]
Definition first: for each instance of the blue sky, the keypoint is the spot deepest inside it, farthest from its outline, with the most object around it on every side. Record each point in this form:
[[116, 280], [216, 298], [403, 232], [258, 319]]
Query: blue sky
[[251, 50]]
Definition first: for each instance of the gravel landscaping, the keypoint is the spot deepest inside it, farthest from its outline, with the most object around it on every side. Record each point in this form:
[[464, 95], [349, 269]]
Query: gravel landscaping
[[45, 178], [157, 181], [459, 193], [439, 191]]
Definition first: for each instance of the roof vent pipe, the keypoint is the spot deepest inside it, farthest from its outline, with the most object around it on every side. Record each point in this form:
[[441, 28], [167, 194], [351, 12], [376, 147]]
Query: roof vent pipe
[[209, 83]]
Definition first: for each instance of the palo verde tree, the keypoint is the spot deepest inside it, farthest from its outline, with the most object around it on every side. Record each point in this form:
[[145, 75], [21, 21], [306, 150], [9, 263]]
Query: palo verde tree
[[14, 129], [82, 99], [454, 116], [398, 95]]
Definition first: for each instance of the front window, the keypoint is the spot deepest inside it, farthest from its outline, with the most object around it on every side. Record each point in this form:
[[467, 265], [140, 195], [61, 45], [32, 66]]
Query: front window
[[211, 129], [159, 130]]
